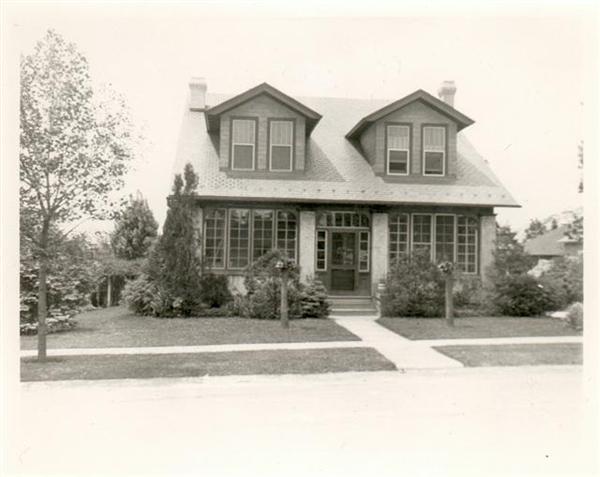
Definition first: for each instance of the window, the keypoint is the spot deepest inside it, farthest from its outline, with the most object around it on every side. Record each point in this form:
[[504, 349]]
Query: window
[[398, 228], [466, 237], [321, 250], [239, 238], [243, 144], [281, 149], [421, 232], [363, 251], [444, 238], [398, 149], [342, 219], [434, 150], [287, 225], [262, 224], [214, 238]]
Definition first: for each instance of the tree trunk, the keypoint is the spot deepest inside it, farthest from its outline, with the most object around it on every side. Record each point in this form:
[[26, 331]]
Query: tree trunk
[[43, 292], [449, 301], [108, 291], [284, 300]]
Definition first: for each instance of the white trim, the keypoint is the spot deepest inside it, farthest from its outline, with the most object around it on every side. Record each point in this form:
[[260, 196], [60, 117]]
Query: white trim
[[291, 146], [233, 144], [434, 150], [317, 269], [431, 237]]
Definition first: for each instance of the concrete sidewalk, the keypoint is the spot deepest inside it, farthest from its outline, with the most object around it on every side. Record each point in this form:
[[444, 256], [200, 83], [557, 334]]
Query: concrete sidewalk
[[405, 354]]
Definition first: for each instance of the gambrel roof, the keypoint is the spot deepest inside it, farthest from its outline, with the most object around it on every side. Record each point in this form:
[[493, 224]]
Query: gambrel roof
[[335, 170]]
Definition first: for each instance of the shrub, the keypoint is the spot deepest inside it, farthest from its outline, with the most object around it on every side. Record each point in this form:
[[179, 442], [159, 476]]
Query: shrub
[[564, 281], [55, 324], [263, 298], [468, 291], [520, 295], [144, 297], [214, 290], [414, 288], [575, 316]]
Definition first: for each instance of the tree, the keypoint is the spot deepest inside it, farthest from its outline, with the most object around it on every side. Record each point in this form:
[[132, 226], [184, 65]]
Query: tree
[[175, 264], [135, 230], [510, 257], [534, 229], [575, 229], [75, 145]]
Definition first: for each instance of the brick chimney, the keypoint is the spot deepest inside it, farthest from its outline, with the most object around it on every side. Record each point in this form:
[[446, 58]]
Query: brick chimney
[[447, 91], [197, 94]]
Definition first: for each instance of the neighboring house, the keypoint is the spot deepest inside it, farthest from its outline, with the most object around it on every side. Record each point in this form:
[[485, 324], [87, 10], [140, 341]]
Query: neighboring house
[[343, 186], [552, 244]]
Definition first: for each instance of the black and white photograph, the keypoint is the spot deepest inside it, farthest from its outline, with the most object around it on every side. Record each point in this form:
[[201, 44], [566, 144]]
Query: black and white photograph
[[299, 239]]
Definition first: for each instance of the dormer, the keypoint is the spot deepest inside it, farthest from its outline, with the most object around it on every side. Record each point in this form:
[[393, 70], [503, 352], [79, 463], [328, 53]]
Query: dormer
[[413, 139], [261, 133]]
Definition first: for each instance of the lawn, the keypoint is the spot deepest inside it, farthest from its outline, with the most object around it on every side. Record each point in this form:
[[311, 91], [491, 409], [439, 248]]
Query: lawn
[[515, 354], [309, 361], [116, 327], [481, 327]]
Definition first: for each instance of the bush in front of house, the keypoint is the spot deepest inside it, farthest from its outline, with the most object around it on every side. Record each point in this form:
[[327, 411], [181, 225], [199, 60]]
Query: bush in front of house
[[564, 280], [520, 295], [575, 316], [263, 298], [414, 288], [214, 290], [55, 324], [144, 297]]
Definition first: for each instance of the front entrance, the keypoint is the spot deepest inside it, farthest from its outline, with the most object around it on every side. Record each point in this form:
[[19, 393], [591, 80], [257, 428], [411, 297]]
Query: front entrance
[[343, 261]]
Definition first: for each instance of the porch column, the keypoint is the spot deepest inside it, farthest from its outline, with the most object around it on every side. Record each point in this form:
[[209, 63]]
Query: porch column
[[487, 245], [379, 249], [198, 225], [306, 249]]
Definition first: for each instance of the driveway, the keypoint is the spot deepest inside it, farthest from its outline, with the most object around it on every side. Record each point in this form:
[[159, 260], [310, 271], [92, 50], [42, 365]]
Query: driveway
[[495, 421]]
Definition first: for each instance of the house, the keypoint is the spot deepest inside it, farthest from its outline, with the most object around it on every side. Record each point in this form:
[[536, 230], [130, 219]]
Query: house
[[343, 186], [552, 244]]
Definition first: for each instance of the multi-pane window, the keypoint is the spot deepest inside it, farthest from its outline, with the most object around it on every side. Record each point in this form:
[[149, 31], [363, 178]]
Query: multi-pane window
[[214, 238], [444, 238], [398, 149], [262, 234], [434, 150], [281, 139], [466, 237], [398, 226], [243, 144], [321, 250], [287, 224], [421, 232], [363, 251], [342, 219], [239, 238]]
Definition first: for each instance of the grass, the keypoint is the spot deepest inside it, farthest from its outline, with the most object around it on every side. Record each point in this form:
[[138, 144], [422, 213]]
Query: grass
[[515, 354], [116, 327], [480, 327], [307, 361]]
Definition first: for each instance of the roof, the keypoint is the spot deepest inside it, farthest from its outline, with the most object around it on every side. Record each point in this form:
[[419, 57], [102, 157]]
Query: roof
[[335, 170], [548, 244], [462, 121], [212, 114]]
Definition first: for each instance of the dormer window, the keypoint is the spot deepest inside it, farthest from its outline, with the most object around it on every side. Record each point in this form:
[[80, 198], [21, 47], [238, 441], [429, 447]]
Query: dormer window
[[243, 144], [281, 145], [398, 149], [434, 150]]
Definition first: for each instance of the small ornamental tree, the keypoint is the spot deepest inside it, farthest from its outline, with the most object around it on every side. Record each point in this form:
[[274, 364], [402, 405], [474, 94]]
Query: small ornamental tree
[[75, 146], [510, 257], [175, 265], [135, 230]]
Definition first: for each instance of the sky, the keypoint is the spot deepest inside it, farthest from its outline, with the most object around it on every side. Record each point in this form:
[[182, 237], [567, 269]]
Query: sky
[[522, 74]]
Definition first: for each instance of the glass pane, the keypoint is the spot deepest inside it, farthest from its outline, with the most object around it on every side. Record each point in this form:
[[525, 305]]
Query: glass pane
[[398, 162], [343, 249], [281, 133], [434, 163], [434, 138], [243, 131], [243, 157], [281, 158], [398, 137]]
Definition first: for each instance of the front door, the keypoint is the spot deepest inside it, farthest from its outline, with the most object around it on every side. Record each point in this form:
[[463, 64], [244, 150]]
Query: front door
[[343, 261]]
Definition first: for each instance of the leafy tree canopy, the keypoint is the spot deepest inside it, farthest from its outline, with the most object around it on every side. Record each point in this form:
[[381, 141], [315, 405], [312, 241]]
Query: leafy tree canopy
[[510, 256], [535, 228], [135, 230]]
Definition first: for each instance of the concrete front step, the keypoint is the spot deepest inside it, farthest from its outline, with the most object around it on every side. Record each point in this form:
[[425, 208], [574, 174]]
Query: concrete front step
[[351, 312]]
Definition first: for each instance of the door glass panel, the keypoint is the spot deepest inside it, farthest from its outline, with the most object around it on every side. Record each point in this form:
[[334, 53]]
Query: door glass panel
[[343, 249]]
